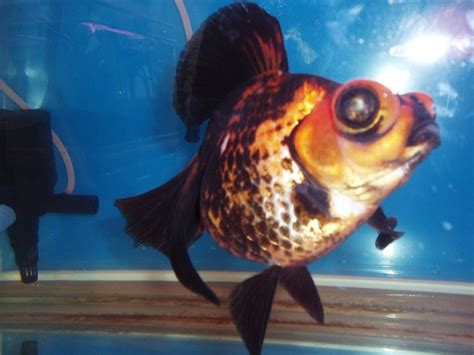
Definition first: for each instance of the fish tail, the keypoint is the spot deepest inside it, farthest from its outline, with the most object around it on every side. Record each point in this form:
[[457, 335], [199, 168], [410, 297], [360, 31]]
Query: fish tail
[[168, 219], [234, 45], [251, 301]]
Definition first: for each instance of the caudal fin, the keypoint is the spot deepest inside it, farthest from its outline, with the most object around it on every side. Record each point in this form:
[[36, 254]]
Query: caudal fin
[[235, 44], [251, 301], [167, 219]]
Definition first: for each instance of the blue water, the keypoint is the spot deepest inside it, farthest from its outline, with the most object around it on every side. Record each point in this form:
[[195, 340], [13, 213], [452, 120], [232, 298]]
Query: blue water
[[57, 343], [110, 93]]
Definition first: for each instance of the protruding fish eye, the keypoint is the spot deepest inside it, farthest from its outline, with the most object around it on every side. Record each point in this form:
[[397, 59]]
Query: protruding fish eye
[[357, 107], [364, 109]]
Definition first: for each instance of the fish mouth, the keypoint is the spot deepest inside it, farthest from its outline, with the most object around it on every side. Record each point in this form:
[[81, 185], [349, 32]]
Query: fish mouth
[[425, 133], [416, 159]]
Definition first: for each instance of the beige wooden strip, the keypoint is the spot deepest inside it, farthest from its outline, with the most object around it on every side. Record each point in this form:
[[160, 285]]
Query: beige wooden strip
[[364, 317]]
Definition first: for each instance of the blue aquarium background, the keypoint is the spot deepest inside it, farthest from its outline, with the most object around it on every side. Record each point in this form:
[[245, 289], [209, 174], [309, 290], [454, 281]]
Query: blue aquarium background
[[104, 69], [60, 343]]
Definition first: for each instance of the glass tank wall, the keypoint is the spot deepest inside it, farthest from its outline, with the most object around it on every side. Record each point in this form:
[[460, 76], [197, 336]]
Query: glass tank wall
[[105, 71]]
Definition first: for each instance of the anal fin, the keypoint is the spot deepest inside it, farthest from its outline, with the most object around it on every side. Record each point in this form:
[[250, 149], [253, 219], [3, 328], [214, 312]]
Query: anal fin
[[298, 282], [250, 306]]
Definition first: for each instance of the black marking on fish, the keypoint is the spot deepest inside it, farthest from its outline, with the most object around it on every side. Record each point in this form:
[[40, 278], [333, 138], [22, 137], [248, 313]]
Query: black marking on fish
[[313, 198]]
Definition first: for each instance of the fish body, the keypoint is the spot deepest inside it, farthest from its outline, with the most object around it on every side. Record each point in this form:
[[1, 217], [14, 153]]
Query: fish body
[[290, 166], [249, 203], [253, 199]]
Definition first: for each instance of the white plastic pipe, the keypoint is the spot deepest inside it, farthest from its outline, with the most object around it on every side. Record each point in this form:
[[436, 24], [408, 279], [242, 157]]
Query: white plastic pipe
[[7, 217]]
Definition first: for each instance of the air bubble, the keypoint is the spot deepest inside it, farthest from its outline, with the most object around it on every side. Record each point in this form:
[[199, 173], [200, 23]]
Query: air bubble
[[447, 226]]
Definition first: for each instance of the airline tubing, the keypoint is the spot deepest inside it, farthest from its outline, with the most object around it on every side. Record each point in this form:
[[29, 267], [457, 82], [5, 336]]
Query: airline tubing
[[71, 175]]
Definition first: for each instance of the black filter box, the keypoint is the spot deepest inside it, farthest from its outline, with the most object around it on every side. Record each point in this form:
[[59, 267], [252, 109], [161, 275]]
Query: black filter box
[[27, 181]]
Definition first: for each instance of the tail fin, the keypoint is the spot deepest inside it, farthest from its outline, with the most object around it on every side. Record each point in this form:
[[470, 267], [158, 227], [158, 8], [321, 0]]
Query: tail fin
[[237, 43], [167, 219], [150, 215], [251, 301]]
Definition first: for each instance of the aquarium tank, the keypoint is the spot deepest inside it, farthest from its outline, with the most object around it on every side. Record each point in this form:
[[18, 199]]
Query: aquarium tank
[[87, 116]]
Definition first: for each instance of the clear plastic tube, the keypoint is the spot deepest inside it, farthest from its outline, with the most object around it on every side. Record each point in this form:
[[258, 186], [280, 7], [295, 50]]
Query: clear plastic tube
[[7, 217]]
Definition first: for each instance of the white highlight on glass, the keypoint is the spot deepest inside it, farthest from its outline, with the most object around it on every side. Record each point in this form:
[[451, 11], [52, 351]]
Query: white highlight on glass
[[395, 78], [424, 49], [389, 251]]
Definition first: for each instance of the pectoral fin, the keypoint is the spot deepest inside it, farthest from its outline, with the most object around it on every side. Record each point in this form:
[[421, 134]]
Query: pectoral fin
[[386, 228], [313, 197]]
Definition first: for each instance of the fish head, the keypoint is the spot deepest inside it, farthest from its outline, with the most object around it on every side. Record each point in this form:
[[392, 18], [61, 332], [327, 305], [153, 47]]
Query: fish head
[[364, 141]]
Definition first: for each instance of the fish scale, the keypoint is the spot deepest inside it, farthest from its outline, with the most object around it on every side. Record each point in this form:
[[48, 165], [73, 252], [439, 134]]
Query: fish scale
[[252, 210]]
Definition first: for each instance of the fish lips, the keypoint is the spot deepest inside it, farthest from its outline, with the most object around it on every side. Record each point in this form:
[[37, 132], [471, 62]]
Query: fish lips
[[426, 132]]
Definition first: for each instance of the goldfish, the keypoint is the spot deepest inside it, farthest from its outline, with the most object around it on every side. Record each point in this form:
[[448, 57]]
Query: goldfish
[[290, 165]]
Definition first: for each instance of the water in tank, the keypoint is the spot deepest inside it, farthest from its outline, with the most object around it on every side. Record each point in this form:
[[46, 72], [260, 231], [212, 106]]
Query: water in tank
[[100, 101]]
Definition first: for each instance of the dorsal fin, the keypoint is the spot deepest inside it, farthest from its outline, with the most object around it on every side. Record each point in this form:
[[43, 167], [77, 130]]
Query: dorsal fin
[[235, 44]]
